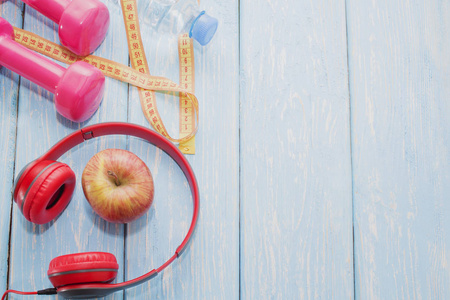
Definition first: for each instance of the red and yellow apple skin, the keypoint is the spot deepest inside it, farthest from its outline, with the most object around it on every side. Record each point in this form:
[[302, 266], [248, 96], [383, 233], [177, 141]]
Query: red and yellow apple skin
[[118, 185]]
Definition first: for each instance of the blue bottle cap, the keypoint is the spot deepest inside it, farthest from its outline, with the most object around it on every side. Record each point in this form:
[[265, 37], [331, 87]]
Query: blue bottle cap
[[203, 28]]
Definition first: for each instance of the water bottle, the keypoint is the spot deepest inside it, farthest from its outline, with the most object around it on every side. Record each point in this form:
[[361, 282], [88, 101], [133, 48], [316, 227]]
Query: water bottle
[[178, 16]]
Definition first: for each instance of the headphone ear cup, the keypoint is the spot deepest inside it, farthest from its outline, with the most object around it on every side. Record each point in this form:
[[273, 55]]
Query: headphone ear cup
[[88, 267], [44, 190]]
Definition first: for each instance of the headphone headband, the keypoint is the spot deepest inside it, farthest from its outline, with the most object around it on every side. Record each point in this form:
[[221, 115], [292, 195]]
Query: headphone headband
[[102, 129]]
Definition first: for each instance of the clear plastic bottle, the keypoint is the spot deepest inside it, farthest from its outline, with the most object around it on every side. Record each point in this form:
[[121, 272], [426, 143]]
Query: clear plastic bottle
[[177, 16]]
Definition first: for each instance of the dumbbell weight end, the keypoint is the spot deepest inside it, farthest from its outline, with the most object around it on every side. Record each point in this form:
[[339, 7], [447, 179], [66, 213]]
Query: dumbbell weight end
[[78, 89]]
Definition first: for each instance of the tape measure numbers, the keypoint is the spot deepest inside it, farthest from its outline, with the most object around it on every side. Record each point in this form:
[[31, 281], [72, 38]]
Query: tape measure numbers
[[187, 81], [139, 62], [138, 76]]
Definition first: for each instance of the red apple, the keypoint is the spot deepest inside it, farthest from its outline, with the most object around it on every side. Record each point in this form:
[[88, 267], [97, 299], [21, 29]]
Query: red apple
[[118, 185]]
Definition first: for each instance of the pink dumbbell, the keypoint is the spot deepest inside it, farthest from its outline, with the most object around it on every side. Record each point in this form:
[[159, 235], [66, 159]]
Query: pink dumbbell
[[82, 23], [78, 89]]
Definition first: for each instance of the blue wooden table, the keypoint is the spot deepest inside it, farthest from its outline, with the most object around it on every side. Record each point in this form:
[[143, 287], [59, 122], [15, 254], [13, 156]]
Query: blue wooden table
[[323, 156]]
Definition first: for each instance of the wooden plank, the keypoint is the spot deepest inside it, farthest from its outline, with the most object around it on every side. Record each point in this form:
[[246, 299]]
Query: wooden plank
[[9, 89], [296, 203], [78, 229], [209, 268], [399, 67]]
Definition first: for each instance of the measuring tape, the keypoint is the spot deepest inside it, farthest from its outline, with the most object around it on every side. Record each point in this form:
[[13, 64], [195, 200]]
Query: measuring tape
[[187, 81], [138, 76]]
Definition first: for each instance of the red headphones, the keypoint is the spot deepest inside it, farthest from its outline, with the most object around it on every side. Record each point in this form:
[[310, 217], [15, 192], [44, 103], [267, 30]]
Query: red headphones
[[44, 188]]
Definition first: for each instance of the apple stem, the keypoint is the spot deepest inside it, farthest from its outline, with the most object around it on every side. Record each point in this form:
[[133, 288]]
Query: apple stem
[[116, 179]]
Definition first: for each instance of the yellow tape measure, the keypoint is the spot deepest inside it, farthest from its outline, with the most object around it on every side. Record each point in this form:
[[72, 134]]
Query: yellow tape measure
[[187, 81], [138, 76]]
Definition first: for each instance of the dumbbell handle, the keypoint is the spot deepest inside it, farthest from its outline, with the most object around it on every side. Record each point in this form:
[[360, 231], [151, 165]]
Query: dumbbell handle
[[52, 9], [78, 89], [30, 65]]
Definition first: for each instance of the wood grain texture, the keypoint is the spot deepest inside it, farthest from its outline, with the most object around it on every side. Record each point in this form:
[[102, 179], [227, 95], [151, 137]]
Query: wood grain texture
[[283, 147], [296, 205], [209, 268], [8, 117], [400, 89], [78, 229]]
